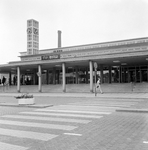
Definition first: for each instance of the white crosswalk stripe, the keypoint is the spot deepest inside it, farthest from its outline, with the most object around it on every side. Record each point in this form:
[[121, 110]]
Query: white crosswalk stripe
[[72, 113], [84, 108], [105, 103], [27, 134], [102, 104], [47, 119], [5, 146], [92, 107], [60, 114], [38, 125]]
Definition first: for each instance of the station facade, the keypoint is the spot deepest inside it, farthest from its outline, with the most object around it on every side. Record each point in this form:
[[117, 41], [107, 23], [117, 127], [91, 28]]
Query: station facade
[[121, 61]]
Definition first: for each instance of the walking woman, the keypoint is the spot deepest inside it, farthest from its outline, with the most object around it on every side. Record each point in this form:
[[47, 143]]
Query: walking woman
[[98, 85]]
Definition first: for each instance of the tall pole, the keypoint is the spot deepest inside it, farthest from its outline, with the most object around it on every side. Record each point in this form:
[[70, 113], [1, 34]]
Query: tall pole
[[95, 81], [40, 78], [64, 82], [18, 79], [91, 76]]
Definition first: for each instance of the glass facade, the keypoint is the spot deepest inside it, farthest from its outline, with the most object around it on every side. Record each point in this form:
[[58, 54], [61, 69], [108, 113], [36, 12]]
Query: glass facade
[[81, 75], [108, 74]]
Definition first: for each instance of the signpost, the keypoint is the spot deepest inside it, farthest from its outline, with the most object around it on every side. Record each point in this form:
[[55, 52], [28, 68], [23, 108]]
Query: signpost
[[95, 66], [38, 74]]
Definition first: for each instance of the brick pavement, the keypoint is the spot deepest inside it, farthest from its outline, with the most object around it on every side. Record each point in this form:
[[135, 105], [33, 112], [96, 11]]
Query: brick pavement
[[117, 131]]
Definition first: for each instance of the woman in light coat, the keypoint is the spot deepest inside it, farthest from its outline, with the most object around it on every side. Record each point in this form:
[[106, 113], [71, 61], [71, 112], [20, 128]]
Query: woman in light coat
[[99, 84]]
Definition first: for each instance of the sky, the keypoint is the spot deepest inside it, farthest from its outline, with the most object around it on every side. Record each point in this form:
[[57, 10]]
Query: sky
[[81, 22]]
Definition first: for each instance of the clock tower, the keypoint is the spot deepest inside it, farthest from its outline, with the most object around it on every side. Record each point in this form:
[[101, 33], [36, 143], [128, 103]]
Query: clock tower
[[32, 37]]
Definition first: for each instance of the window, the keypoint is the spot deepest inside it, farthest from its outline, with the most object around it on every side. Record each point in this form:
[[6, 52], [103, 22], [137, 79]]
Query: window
[[29, 44], [35, 24], [30, 23], [29, 51], [29, 37], [35, 37]]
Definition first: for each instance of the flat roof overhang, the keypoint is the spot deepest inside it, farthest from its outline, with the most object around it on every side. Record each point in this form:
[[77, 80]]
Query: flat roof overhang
[[113, 60]]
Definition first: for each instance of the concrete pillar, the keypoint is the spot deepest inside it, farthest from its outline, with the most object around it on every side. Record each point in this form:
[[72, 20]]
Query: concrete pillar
[[59, 39], [101, 73], [76, 75], [18, 79], [39, 78], [63, 76], [91, 76]]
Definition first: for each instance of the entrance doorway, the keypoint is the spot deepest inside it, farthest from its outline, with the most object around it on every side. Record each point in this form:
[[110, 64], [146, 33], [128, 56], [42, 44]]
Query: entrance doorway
[[132, 76], [135, 74]]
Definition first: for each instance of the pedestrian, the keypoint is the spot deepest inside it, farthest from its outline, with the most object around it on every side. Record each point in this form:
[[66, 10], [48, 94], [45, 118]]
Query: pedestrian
[[6, 84], [22, 80], [14, 80], [3, 80], [99, 85]]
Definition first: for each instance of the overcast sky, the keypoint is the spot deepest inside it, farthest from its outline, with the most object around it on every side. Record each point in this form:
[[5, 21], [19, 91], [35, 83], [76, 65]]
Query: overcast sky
[[81, 22]]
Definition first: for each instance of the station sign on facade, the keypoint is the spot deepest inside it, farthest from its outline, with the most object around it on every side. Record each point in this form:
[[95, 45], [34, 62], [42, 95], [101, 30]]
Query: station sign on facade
[[49, 57]]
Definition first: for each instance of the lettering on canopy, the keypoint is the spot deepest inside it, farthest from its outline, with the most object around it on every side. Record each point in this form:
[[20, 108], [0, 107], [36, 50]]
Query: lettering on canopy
[[49, 57]]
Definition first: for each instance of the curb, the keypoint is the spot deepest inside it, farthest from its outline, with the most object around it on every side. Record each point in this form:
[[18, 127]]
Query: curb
[[133, 110], [29, 106], [83, 95]]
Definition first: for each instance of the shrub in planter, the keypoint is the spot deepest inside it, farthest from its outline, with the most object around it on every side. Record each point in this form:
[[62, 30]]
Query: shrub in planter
[[25, 99], [24, 96]]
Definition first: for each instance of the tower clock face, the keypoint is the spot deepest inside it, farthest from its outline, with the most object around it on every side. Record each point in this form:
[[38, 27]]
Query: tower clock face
[[29, 30], [35, 31]]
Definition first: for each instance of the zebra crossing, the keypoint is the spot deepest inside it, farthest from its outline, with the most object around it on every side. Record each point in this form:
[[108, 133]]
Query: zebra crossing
[[71, 116]]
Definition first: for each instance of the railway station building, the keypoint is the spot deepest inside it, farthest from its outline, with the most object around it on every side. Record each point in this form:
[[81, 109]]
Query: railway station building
[[123, 61]]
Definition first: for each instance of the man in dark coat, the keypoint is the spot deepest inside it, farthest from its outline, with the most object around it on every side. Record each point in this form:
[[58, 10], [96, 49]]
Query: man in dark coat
[[3, 80]]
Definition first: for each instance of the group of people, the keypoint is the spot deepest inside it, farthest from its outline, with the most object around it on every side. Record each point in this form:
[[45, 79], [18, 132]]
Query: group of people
[[24, 81], [6, 81], [3, 81]]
